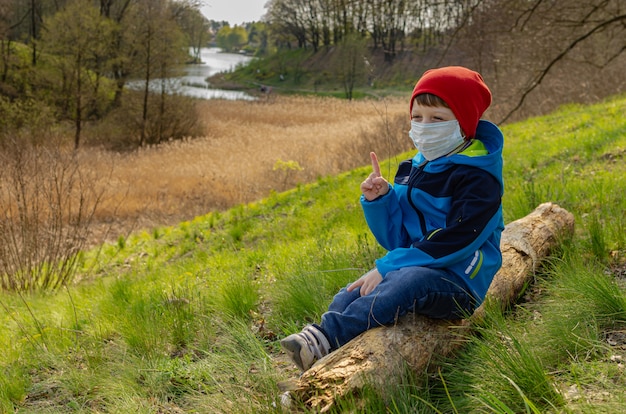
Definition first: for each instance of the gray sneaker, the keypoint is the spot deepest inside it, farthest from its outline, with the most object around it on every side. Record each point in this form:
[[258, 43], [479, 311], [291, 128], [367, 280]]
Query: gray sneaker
[[306, 347]]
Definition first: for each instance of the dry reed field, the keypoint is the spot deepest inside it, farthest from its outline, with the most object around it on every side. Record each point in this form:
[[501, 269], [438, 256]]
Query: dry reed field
[[250, 149]]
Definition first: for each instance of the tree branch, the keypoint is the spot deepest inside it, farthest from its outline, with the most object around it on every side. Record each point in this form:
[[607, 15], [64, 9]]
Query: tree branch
[[560, 56]]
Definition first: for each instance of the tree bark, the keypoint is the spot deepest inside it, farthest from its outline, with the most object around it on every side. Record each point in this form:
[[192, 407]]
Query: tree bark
[[378, 356]]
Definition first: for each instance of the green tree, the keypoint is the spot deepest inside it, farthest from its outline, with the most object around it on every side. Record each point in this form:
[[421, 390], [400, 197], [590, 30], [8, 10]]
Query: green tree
[[237, 38], [258, 37], [79, 38], [161, 50], [196, 28], [231, 38], [123, 44], [221, 38], [6, 49]]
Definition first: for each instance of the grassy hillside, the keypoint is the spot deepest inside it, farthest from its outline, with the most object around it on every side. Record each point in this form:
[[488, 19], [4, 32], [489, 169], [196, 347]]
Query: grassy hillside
[[187, 318]]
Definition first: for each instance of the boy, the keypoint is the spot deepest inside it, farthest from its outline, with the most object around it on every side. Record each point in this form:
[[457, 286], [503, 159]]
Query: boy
[[440, 222]]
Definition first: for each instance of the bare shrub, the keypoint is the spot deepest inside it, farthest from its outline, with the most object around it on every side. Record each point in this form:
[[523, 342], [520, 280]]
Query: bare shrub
[[536, 56], [387, 138], [46, 206], [169, 117]]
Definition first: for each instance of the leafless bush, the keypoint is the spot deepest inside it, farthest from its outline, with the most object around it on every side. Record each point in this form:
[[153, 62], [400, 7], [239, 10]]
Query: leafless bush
[[169, 117], [536, 56], [388, 138], [46, 207]]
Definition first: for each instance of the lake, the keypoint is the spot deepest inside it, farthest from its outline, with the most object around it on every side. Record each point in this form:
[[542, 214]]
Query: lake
[[214, 61], [193, 82]]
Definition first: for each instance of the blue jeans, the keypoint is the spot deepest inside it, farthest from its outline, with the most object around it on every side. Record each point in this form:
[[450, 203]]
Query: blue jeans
[[436, 293]]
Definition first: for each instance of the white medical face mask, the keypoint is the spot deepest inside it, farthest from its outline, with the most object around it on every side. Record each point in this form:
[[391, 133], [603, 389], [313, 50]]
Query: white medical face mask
[[436, 139]]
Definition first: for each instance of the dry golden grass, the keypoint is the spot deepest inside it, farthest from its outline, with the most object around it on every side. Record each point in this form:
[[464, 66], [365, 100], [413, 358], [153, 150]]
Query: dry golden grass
[[235, 162]]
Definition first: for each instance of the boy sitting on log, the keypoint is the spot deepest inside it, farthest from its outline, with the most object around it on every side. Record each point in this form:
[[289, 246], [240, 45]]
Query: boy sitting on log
[[441, 221]]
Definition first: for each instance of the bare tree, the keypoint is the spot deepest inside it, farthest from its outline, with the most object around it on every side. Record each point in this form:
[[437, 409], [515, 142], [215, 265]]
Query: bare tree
[[601, 26], [388, 24], [541, 53], [315, 22], [349, 62], [287, 20]]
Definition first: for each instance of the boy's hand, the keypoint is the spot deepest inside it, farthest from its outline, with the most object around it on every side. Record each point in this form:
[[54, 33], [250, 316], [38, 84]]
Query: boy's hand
[[367, 282], [375, 185]]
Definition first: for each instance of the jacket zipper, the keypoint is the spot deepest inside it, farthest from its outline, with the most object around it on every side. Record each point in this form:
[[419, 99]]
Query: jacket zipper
[[412, 181]]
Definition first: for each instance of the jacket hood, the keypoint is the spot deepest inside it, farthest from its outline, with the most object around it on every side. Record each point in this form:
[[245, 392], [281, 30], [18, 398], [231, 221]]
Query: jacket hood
[[493, 140]]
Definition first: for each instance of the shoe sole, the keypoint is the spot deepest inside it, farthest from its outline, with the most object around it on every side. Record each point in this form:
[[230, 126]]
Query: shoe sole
[[293, 349]]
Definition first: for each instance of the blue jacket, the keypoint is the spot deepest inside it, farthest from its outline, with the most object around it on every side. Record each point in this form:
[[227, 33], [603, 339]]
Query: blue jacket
[[446, 213]]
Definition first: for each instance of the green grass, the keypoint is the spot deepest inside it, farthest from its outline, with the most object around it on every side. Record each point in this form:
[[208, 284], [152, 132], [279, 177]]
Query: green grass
[[188, 317]]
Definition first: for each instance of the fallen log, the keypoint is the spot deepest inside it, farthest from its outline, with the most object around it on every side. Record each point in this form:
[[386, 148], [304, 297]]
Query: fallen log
[[377, 356]]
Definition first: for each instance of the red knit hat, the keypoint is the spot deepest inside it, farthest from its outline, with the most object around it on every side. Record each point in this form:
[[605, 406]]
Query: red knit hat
[[462, 89]]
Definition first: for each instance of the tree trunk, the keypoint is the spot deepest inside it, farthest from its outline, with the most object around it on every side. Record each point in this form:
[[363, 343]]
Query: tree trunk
[[378, 356]]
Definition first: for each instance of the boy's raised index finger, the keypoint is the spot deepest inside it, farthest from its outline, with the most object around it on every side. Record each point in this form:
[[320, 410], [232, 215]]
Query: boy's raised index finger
[[375, 164]]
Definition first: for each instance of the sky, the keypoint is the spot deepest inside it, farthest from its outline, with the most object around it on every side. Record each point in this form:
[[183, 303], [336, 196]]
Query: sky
[[234, 11]]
